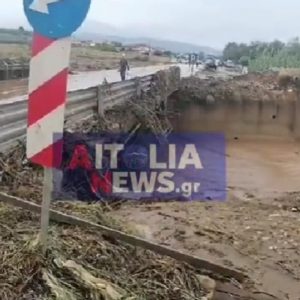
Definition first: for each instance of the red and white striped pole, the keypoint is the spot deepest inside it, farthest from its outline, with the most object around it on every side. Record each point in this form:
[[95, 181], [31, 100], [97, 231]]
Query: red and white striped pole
[[47, 99], [46, 109], [53, 22]]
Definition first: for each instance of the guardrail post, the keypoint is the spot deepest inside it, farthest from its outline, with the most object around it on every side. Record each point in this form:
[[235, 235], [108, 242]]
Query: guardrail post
[[100, 100], [6, 71], [138, 87], [101, 93]]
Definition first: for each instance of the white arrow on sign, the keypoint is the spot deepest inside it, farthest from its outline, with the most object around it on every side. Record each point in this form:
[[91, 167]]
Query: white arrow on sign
[[41, 5]]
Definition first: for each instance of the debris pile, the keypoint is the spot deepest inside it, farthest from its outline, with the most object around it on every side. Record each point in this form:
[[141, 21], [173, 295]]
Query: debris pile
[[83, 264], [289, 78], [18, 177], [252, 87]]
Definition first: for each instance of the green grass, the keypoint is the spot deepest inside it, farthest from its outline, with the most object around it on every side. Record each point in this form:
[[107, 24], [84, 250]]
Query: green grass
[[281, 60]]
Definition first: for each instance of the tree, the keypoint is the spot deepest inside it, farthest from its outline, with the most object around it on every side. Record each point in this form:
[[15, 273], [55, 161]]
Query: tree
[[261, 56], [116, 44], [167, 53], [158, 53], [275, 47], [201, 55], [231, 52], [244, 61]]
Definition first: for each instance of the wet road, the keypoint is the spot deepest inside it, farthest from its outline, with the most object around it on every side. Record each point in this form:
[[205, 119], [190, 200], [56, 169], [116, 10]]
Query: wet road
[[15, 90]]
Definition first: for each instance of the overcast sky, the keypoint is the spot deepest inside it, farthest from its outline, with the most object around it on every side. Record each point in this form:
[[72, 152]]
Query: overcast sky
[[204, 22]]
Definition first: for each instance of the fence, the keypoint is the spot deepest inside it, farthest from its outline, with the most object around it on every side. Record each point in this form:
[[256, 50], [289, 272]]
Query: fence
[[81, 104]]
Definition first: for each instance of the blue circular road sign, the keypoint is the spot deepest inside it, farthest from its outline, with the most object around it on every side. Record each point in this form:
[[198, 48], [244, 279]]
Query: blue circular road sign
[[56, 18]]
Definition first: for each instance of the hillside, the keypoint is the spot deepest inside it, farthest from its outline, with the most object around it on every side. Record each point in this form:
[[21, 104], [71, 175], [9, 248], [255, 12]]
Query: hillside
[[16, 36], [173, 46], [99, 32]]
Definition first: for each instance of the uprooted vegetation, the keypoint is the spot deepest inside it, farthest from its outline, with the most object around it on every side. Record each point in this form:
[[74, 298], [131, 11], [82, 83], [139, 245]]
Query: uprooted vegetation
[[18, 177], [82, 264], [255, 87]]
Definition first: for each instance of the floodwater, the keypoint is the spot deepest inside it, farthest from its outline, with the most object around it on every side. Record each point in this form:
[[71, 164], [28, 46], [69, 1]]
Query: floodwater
[[264, 167]]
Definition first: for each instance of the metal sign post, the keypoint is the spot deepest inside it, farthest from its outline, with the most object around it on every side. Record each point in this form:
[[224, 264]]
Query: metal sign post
[[47, 193], [53, 22]]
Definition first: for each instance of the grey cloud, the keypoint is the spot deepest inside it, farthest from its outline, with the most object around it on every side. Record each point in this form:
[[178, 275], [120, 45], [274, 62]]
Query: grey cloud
[[205, 22]]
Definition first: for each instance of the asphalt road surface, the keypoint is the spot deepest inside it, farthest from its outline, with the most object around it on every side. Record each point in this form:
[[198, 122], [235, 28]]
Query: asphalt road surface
[[15, 90]]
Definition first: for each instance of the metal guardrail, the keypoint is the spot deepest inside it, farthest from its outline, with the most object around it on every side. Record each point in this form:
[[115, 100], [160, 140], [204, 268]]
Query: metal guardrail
[[12, 69], [81, 105]]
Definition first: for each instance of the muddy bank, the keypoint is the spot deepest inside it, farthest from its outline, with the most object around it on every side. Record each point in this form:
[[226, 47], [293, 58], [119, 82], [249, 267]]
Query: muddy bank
[[256, 229], [258, 238], [246, 105]]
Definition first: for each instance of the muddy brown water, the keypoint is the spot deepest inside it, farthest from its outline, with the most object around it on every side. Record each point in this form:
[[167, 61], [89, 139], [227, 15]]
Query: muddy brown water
[[250, 231], [263, 156]]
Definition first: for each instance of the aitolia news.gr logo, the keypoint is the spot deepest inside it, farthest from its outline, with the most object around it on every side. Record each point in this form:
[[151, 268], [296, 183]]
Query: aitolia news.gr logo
[[183, 166]]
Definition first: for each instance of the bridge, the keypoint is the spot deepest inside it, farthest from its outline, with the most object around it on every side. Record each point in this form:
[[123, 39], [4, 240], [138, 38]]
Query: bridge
[[86, 97]]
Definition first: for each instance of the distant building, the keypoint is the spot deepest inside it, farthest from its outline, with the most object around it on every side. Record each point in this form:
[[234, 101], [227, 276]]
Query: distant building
[[88, 43], [142, 48], [76, 43]]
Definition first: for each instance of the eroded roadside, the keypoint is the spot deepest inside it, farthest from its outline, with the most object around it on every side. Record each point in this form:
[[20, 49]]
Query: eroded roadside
[[257, 229], [258, 236]]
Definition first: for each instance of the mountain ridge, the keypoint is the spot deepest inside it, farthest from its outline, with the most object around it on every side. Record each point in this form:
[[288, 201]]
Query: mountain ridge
[[174, 46], [100, 32]]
